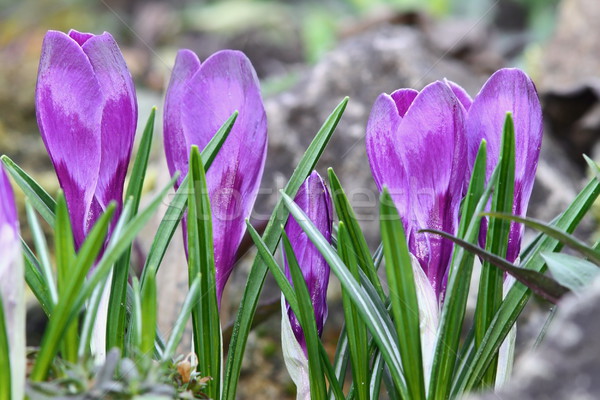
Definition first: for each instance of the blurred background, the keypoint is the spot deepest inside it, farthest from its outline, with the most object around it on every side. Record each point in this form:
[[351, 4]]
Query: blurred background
[[310, 54]]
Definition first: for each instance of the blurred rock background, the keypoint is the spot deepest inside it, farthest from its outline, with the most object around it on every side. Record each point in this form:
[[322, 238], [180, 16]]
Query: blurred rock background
[[309, 55]]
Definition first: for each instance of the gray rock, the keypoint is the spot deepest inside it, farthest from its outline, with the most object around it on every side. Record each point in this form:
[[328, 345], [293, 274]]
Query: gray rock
[[566, 365]]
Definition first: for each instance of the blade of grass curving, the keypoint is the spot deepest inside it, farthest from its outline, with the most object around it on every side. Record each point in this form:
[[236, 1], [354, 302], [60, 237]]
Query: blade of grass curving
[[539, 283], [346, 215], [64, 311], [459, 279], [563, 237], [35, 280], [572, 272], [271, 235], [206, 326], [403, 295], [518, 295], [290, 296], [355, 328], [115, 325], [41, 248], [306, 317], [376, 376], [489, 295], [182, 319], [378, 322], [65, 258], [178, 204], [39, 198]]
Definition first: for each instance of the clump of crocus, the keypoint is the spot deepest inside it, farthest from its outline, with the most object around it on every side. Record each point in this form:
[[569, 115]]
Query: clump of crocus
[[11, 286], [87, 113], [200, 98], [314, 199], [422, 146]]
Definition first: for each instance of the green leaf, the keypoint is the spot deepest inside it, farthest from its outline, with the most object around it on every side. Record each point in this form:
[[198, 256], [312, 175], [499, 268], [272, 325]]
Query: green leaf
[[38, 197], [306, 317], [149, 315], [594, 167], [35, 280], [346, 215], [563, 237], [91, 311], [115, 325], [517, 297], [177, 206], [206, 326], [243, 321], [489, 295], [65, 258], [542, 285], [571, 272], [41, 248], [184, 315], [355, 327], [403, 295], [364, 298], [459, 279]]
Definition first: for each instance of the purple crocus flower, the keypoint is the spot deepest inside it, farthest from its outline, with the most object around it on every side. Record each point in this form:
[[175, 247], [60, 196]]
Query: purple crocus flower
[[200, 98], [314, 199], [416, 146], [507, 90], [87, 113], [11, 285]]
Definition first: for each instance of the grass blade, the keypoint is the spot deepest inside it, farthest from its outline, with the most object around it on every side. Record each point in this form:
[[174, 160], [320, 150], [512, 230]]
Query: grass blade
[[39, 198], [306, 317], [5, 368], [243, 321], [205, 314], [572, 272], [356, 331], [403, 295], [489, 295], [346, 215], [563, 237], [182, 319], [35, 280]]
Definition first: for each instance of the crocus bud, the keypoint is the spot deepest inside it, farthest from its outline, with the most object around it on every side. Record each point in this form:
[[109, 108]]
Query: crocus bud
[[314, 199], [200, 98], [11, 285], [508, 90], [87, 114], [416, 147]]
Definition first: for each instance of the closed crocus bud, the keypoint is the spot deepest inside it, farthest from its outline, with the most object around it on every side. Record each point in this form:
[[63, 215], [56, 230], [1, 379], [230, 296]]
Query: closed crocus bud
[[200, 98], [314, 199], [87, 114], [11, 285], [416, 147], [508, 90]]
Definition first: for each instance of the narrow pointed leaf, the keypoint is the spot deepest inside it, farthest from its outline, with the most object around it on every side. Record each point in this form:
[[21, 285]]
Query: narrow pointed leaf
[[403, 295], [39, 198]]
